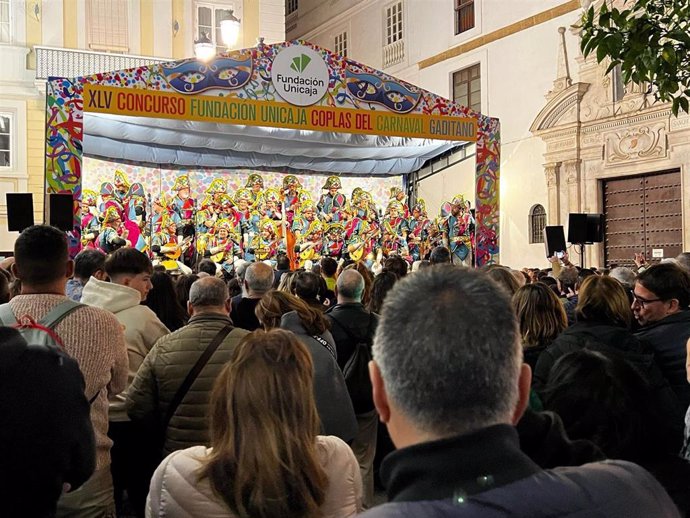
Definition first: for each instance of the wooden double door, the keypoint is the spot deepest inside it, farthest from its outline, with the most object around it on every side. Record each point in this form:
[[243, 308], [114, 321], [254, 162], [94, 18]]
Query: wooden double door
[[644, 214]]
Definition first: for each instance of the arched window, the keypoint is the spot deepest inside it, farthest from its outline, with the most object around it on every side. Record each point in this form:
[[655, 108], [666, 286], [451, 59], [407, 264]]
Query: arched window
[[537, 222]]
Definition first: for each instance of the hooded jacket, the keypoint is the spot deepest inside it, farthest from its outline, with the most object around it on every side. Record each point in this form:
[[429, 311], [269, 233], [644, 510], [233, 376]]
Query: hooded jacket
[[141, 327], [330, 391]]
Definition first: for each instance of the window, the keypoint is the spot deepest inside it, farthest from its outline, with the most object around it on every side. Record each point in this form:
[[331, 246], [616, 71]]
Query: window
[[537, 222], [464, 15], [290, 6], [340, 45], [5, 21], [208, 18], [108, 25], [394, 23], [5, 140], [467, 89]]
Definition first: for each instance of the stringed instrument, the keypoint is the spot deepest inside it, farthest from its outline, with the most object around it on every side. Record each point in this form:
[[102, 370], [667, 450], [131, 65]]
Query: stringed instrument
[[175, 250], [357, 252]]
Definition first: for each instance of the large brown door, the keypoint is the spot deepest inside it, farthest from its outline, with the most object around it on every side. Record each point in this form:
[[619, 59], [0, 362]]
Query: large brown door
[[643, 214]]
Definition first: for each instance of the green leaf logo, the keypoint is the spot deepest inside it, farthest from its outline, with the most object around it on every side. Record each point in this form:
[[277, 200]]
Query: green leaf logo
[[300, 63]]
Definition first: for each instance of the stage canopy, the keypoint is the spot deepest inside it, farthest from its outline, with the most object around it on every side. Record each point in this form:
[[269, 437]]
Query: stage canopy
[[287, 107]]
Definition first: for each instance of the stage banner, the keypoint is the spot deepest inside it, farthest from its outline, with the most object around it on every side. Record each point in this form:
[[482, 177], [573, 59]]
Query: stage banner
[[235, 110]]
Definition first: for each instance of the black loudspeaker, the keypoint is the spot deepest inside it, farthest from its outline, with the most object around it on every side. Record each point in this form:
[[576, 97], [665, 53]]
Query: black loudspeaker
[[554, 240], [60, 211], [577, 228], [20, 210], [595, 228]]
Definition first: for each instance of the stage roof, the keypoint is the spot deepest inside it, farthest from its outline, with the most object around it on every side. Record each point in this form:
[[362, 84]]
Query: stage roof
[[399, 138]]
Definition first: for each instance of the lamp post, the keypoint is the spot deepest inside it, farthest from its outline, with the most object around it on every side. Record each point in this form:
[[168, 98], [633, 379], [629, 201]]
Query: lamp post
[[204, 49], [230, 29]]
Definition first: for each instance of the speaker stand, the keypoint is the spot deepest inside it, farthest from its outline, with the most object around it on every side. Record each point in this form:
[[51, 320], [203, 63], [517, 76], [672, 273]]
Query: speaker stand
[[582, 255]]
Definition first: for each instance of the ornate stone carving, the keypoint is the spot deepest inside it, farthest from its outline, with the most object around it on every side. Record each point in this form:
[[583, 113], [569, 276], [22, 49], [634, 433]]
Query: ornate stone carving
[[571, 168], [637, 143], [551, 172]]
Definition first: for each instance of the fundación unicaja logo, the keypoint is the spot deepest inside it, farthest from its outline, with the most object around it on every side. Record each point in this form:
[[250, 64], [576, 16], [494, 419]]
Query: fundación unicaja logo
[[300, 63], [300, 75]]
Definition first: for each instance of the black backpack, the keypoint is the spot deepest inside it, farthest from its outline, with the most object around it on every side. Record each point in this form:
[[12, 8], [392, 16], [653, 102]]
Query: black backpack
[[356, 370]]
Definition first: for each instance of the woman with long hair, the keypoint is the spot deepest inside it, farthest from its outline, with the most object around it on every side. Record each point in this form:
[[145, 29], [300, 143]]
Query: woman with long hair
[[280, 309], [266, 459], [541, 318], [162, 300]]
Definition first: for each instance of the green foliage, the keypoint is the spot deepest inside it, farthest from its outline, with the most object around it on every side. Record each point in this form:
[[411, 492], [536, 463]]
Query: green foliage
[[650, 40]]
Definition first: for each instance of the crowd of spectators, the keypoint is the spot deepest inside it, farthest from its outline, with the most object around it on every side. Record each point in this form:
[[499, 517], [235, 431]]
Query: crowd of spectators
[[273, 392]]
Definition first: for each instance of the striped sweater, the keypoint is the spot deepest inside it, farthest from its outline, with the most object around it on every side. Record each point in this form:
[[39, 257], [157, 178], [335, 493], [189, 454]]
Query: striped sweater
[[94, 338]]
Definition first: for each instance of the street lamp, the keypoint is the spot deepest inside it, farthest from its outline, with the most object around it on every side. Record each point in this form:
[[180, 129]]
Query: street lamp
[[204, 49], [230, 29]]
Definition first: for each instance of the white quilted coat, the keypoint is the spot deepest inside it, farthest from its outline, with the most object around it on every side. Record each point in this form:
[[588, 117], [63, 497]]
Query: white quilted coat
[[176, 492]]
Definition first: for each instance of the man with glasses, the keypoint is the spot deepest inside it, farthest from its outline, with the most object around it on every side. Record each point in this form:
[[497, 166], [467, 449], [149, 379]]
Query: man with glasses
[[661, 297]]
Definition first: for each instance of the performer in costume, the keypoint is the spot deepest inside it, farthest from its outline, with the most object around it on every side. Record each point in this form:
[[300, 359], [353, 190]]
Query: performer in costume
[[363, 245], [170, 247], [418, 231], [266, 245], [331, 205], [290, 199], [248, 217], [122, 186], [304, 218], [290, 196], [161, 207], [457, 232], [396, 222], [310, 248], [255, 184], [113, 235], [270, 207], [182, 204], [333, 246], [226, 242], [135, 215], [109, 199], [398, 194], [90, 225]]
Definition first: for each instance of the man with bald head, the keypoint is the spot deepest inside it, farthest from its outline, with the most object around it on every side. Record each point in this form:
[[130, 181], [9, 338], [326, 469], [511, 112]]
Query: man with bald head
[[352, 324], [258, 279], [173, 357]]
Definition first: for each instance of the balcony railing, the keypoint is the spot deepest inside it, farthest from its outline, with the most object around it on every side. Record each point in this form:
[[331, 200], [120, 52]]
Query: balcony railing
[[57, 62], [393, 53]]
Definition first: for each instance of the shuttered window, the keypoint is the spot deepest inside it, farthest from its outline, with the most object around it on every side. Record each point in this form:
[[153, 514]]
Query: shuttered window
[[107, 22]]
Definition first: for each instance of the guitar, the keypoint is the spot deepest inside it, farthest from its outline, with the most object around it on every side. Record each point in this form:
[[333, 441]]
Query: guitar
[[357, 251], [175, 250]]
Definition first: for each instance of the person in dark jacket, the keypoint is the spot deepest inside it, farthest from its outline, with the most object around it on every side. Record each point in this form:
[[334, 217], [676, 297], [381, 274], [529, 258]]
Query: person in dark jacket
[[601, 398], [280, 309], [47, 443], [258, 279], [603, 323], [352, 324], [661, 297], [450, 391]]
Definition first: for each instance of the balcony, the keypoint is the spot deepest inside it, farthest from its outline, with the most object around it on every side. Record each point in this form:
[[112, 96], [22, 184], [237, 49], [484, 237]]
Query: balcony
[[58, 62], [393, 53]]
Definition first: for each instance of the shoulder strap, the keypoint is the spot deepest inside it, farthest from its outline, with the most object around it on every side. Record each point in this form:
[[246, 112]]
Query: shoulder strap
[[7, 317], [193, 374], [326, 344], [59, 313]]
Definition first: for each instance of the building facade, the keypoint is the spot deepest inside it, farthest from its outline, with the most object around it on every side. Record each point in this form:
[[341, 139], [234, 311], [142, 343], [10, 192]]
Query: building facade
[[568, 131], [70, 38]]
